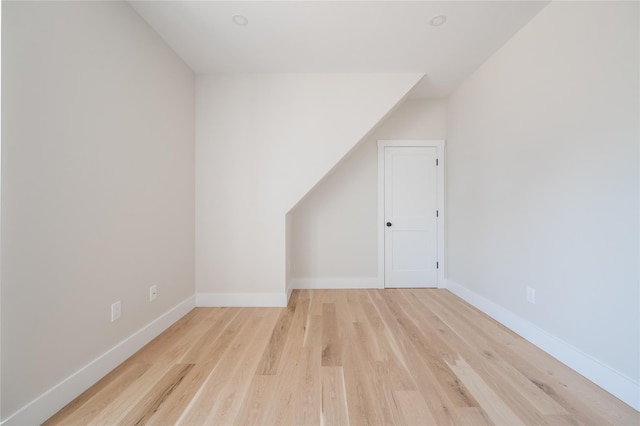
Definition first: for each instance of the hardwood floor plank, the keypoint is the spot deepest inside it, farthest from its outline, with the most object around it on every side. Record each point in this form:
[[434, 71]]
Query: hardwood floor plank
[[229, 399], [157, 395], [183, 395], [201, 347], [492, 404], [354, 304], [377, 379], [86, 407], [313, 331], [431, 348], [562, 420], [258, 400], [471, 416], [387, 348], [362, 406], [316, 299], [285, 406], [487, 364], [292, 374], [170, 345], [200, 407], [172, 408], [358, 303], [527, 400], [334, 398], [344, 357], [391, 413], [568, 392], [297, 331], [271, 358], [120, 406], [331, 344], [436, 398], [308, 394], [414, 408]]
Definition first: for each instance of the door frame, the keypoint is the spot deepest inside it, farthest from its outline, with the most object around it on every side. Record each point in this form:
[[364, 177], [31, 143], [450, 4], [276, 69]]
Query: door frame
[[439, 144]]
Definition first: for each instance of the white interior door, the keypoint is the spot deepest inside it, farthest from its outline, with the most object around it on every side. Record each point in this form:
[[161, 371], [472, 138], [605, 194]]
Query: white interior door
[[410, 216]]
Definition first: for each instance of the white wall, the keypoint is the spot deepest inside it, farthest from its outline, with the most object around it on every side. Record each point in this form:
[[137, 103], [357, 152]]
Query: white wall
[[97, 186], [335, 228], [262, 142], [543, 179]]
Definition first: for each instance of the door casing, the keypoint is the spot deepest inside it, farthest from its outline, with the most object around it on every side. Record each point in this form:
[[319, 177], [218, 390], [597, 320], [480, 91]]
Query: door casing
[[439, 144]]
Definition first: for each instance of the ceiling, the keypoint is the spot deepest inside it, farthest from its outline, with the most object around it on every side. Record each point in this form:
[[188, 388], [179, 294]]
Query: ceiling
[[340, 36]]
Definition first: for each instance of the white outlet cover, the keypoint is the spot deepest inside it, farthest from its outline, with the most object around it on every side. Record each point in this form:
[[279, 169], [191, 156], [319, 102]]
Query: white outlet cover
[[116, 311], [531, 295], [153, 293]]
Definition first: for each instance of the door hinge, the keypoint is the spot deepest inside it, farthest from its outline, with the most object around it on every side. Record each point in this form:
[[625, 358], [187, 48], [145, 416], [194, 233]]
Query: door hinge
[[437, 265], [436, 161]]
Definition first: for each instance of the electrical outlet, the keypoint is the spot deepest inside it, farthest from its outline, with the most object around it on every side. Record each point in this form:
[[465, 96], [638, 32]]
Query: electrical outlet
[[116, 311], [531, 295], [153, 293]]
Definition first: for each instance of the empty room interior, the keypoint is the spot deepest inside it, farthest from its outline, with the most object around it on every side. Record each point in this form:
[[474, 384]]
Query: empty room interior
[[320, 212]]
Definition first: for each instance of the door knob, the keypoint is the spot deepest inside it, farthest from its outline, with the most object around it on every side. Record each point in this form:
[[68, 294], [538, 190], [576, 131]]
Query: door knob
[[388, 223]]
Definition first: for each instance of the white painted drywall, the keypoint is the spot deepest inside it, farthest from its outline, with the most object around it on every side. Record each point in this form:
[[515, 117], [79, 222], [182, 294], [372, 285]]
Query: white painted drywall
[[334, 229], [97, 186], [543, 179], [262, 142]]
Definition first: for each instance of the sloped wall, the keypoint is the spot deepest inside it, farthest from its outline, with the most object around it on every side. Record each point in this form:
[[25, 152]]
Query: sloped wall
[[262, 142], [335, 228]]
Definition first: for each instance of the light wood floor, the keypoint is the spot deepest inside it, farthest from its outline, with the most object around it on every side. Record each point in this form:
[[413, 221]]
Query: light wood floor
[[344, 357]]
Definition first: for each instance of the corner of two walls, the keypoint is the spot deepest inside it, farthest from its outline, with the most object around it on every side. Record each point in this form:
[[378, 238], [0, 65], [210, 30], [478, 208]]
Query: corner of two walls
[[263, 141], [542, 189]]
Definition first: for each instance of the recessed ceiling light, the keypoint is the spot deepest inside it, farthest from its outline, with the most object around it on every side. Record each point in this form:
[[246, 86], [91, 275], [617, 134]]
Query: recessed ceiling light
[[436, 21], [240, 20]]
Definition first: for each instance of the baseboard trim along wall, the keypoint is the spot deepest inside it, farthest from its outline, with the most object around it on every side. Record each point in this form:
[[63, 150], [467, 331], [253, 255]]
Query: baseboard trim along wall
[[336, 283], [241, 300], [50, 402], [617, 384]]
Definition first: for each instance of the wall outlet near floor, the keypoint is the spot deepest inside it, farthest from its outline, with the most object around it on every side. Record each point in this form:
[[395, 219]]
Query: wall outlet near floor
[[531, 295], [153, 293], [116, 311]]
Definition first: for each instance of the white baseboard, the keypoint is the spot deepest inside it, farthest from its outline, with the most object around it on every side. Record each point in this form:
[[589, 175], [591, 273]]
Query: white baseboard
[[214, 300], [51, 401], [289, 291], [336, 283], [614, 382]]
